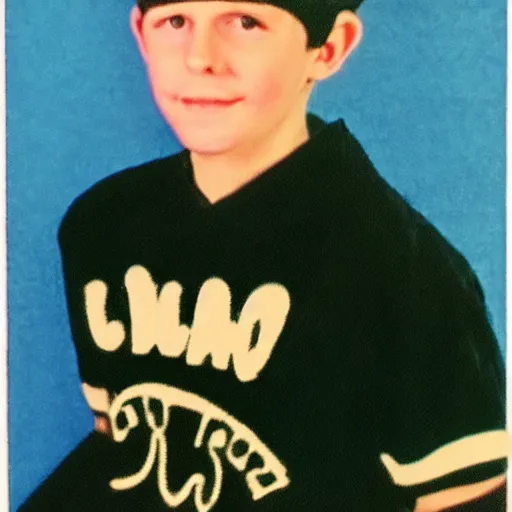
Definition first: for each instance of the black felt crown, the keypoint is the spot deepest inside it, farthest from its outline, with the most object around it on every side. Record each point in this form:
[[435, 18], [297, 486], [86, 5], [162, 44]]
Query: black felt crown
[[316, 15]]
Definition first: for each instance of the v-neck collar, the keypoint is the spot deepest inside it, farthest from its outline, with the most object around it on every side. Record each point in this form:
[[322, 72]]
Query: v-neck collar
[[290, 188], [315, 126]]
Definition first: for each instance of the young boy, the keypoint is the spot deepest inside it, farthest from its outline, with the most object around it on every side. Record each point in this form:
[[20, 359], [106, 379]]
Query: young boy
[[262, 323]]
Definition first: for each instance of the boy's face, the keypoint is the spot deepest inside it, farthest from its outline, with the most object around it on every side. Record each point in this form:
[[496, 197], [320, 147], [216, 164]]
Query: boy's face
[[225, 74]]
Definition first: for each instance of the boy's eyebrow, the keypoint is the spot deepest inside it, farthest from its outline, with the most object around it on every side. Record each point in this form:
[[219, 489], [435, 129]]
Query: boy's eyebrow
[[255, 9]]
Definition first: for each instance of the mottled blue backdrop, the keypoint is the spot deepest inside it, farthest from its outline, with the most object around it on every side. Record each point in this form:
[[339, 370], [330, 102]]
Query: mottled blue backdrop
[[425, 94]]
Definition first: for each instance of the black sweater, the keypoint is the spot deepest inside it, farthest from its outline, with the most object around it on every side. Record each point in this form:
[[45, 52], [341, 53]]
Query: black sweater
[[266, 352]]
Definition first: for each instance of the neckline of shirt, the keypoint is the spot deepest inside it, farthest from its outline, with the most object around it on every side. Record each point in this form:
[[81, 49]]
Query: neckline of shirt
[[286, 181]]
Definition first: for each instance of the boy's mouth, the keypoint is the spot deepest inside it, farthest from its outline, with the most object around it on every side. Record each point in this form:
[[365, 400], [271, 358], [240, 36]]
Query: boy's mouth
[[210, 102]]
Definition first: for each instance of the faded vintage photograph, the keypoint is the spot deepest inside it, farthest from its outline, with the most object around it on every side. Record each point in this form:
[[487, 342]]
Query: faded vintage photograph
[[256, 255]]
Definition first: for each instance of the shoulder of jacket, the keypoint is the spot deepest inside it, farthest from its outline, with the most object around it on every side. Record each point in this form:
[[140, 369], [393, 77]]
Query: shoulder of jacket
[[109, 196], [433, 255], [396, 229]]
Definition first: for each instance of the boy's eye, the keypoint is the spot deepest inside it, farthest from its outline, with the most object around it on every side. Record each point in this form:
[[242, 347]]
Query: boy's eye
[[177, 21], [248, 22], [245, 21]]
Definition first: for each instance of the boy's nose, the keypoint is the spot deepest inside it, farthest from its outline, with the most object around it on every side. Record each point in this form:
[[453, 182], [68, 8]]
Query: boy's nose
[[203, 52]]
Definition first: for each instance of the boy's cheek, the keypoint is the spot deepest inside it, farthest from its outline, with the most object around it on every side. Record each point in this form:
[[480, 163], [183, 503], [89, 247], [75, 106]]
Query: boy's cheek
[[163, 80], [270, 92]]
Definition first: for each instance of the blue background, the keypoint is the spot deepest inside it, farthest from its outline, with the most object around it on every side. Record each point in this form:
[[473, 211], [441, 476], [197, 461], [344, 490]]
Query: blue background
[[425, 94]]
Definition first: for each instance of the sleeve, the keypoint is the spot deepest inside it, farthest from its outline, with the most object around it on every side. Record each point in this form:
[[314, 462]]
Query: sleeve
[[441, 376], [77, 255]]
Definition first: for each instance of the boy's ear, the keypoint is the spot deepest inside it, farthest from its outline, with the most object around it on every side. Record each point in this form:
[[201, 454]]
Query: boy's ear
[[345, 36], [136, 19]]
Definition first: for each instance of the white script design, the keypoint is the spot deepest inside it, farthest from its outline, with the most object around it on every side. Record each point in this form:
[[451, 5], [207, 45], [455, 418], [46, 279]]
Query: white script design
[[155, 321], [171, 397]]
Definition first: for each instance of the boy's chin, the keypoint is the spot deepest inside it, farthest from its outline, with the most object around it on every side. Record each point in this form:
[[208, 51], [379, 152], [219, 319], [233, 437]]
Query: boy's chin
[[209, 146]]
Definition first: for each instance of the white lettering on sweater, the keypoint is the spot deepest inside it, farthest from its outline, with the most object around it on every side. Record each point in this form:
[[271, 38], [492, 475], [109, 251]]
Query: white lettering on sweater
[[221, 441], [155, 322]]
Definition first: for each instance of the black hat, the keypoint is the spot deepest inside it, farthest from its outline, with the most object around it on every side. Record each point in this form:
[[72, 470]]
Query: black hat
[[316, 15]]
